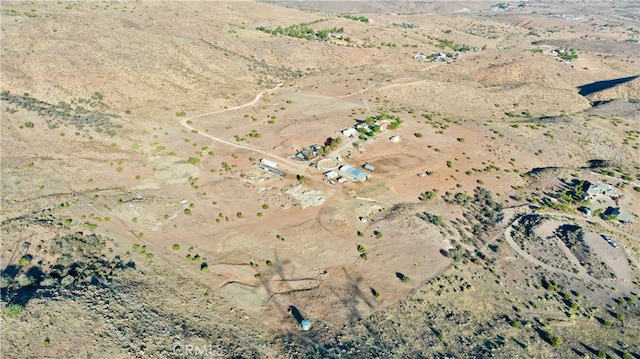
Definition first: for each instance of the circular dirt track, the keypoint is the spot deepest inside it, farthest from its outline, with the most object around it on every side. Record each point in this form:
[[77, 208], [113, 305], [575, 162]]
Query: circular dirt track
[[395, 162], [327, 164]]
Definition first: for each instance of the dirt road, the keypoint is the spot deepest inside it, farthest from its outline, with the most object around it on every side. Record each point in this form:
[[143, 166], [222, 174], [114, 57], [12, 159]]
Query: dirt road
[[289, 164], [535, 261]]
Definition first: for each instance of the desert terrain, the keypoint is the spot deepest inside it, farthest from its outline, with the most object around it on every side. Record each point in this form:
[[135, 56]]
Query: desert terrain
[[320, 179]]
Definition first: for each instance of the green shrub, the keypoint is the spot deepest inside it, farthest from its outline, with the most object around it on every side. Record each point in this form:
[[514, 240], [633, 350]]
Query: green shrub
[[429, 195], [555, 341], [24, 261], [180, 113], [176, 247], [12, 310]]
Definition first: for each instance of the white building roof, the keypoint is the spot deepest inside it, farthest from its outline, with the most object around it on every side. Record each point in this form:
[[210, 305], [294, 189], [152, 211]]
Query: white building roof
[[331, 174]]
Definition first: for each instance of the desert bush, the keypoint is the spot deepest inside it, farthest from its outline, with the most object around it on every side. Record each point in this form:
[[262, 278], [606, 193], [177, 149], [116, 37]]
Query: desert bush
[[24, 260], [431, 218], [555, 341], [12, 310], [176, 247], [429, 195]]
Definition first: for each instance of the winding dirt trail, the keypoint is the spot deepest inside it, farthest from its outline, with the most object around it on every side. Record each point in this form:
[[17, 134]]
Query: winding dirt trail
[[524, 254], [288, 163]]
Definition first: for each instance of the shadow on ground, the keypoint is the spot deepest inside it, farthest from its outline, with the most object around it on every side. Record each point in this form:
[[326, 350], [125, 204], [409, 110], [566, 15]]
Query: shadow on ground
[[594, 87]]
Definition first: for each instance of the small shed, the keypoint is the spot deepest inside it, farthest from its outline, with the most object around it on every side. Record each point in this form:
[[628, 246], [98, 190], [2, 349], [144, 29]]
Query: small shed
[[369, 167], [394, 138], [331, 174]]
